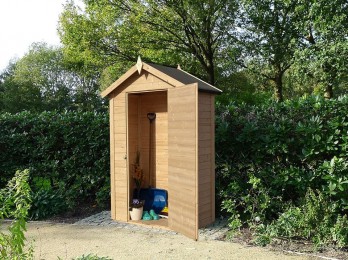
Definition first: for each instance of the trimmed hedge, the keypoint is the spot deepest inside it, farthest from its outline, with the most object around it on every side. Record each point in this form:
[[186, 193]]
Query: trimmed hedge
[[67, 154], [269, 157]]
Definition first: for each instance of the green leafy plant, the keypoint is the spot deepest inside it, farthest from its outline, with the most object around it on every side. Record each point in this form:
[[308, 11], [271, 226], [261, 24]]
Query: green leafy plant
[[103, 194], [316, 220], [15, 203], [47, 203], [92, 257], [270, 156]]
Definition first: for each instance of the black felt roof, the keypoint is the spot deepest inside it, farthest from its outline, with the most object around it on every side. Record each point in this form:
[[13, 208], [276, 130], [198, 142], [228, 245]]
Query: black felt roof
[[186, 78]]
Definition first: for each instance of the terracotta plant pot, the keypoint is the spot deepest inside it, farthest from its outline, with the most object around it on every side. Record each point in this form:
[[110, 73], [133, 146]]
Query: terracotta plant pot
[[136, 213]]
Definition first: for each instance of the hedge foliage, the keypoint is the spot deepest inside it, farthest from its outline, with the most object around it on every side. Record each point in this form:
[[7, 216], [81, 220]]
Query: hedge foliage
[[67, 154], [269, 157], [274, 163]]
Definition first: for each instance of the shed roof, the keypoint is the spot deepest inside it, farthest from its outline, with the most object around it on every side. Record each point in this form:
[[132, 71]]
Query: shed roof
[[174, 76]]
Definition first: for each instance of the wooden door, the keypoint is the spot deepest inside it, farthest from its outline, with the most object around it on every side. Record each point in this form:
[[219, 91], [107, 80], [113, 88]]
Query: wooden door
[[183, 159]]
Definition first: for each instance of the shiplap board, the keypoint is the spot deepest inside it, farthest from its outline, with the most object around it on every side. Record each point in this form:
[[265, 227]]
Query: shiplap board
[[183, 154], [183, 159], [206, 153]]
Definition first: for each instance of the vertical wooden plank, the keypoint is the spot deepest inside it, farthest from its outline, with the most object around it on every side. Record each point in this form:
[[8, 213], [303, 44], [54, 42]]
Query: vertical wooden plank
[[112, 157], [127, 152], [183, 160], [205, 155], [120, 158], [139, 125], [212, 180], [197, 162]]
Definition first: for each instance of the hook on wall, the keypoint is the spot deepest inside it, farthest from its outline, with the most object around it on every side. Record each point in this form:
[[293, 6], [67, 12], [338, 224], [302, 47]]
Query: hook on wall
[[151, 116]]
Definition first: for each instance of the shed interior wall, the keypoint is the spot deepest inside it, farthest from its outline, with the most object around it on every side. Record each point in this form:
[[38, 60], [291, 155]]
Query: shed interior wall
[[155, 169]]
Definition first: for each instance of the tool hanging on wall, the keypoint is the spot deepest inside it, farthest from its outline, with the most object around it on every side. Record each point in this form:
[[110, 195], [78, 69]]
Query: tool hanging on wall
[[151, 117]]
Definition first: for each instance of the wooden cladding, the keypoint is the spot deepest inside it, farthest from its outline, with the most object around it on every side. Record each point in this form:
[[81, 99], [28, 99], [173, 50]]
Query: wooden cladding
[[206, 155], [183, 159], [118, 147], [176, 151]]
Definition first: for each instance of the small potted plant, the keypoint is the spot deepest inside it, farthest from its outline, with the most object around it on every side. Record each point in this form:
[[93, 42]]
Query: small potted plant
[[136, 209]]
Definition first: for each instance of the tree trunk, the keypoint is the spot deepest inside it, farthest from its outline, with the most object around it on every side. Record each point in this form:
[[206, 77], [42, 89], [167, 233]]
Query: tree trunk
[[279, 88], [211, 72], [328, 91]]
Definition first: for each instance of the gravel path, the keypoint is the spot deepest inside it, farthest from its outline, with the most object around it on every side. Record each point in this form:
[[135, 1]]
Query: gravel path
[[68, 241], [214, 232], [99, 235]]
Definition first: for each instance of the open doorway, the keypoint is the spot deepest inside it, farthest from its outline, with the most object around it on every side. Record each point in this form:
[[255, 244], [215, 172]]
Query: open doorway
[[148, 137]]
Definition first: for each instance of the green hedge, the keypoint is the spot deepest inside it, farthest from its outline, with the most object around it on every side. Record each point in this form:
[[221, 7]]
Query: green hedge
[[269, 157], [67, 154]]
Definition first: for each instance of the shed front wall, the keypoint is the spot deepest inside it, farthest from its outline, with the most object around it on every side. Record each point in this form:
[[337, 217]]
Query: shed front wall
[[119, 132], [118, 138], [118, 147]]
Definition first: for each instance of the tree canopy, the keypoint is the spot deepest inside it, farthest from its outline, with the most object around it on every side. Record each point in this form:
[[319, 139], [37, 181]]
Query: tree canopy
[[324, 26], [43, 80], [213, 39], [198, 34], [248, 48]]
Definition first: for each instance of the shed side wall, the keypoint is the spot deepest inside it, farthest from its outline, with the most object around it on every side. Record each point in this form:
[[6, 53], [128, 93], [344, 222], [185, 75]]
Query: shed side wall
[[112, 157], [206, 157]]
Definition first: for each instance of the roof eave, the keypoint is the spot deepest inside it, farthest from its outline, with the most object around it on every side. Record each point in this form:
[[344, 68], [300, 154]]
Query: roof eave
[[216, 92], [134, 69], [214, 89], [118, 82]]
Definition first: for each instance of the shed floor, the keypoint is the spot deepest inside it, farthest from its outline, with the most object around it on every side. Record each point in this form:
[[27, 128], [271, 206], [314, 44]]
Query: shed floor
[[161, 223]]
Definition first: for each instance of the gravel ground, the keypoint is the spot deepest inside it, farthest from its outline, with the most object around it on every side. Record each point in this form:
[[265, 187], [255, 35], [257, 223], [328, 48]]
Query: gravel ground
[[67, 241], [100, 235]]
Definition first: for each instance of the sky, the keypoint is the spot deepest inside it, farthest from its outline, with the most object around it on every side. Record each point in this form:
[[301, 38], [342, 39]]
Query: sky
[[23, 22]]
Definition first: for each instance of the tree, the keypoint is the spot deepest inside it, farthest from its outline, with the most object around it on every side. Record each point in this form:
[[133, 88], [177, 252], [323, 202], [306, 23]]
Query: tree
[[270, 38], [15, 97], [43, 80], [41, 68], [324, 26], [44, 69], [112, 32]]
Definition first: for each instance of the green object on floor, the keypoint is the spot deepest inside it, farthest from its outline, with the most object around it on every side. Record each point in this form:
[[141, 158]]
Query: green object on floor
[[147, 216], [154, 215]]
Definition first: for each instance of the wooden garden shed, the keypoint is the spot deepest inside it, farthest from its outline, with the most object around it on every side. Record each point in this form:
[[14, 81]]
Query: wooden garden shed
[[176, 152]]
